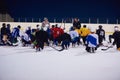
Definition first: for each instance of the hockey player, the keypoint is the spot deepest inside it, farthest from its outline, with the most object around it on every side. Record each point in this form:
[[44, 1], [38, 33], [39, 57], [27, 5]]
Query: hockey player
[[45, 23], [57, 31], [92, 42], [116, 36], [29, 32], [74, 36], [66, 39], [76, 23], [60, 31], [25, 39], [8, 31], [4, 34], [111, 36], [41, 37], [101, 34], [84, 31], [15, 33], [52, 32]]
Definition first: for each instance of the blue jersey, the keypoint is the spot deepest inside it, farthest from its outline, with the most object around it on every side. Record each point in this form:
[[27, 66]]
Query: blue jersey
[[92, 40], [15, 32]]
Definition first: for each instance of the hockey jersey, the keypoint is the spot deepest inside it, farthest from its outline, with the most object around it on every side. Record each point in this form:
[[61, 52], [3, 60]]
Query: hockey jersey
[[92, 40], [15, 33], [73, 34]]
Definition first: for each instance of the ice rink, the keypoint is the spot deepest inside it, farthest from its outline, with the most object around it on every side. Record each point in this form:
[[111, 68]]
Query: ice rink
[[24, 63]]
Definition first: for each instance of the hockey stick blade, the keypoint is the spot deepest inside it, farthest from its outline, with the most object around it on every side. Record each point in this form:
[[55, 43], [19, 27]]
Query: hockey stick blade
[[57, 49], [107, 48]]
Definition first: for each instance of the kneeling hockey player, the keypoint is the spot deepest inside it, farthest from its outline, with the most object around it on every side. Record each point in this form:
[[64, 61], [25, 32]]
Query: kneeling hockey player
[[41, 37], [92, 42], [116, 36], [66, 39]]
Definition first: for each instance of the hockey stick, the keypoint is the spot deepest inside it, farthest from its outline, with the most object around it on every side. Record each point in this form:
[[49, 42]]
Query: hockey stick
[[107, 48], [57, 49]]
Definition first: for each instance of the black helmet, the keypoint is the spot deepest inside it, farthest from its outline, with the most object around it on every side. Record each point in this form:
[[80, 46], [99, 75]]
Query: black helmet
[[100, 26], [19, 26]]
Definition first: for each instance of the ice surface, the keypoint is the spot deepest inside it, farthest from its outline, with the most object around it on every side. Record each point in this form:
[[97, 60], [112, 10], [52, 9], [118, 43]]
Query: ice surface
[[24, 63]]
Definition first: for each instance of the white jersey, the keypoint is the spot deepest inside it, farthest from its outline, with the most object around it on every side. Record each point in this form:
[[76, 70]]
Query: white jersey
[[73, 34], [92, 40], [25, 37]]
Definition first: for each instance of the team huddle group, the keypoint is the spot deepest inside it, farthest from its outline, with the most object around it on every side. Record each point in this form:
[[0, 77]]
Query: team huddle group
[[55, 35]]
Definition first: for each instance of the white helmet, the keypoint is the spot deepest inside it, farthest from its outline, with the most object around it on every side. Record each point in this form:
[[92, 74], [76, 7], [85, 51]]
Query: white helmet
[[92, 30]]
